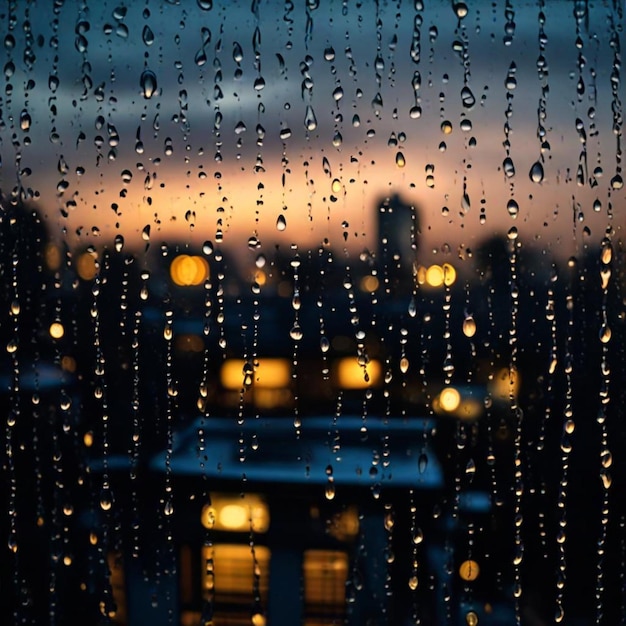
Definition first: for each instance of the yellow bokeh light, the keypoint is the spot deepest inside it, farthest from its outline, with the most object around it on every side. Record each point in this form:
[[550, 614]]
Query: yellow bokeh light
[[469, 570], [56, 330], [187, 270], [235, 514], [272, 373], [269, 373], [350, 374], [52, 255], [434, 276], [369, 284], [86, 266], [258, 619], [88, 439], [449, 399]]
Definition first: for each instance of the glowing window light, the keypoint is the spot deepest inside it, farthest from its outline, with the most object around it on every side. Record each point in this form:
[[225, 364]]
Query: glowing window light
[[231, 373], [235, 514], [269, 373], [233, 568], [325, 573], [272, 373], [187, 270], [350, 374]]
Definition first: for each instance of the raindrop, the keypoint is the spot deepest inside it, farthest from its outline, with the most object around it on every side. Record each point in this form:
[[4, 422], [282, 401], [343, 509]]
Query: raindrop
[[147, 35], [467, 97], [512, 207], [422, 463], [106, 498], [605, 334], [508, 167], [536, 172], [617, 182], [296, 332], [469, 326], [400, 161], [281, 222], [25, 121], [310, 121], [148, 83], [460, 9]]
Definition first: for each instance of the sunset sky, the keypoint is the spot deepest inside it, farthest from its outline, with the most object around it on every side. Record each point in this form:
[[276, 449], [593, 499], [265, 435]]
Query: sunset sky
[[206, 63]]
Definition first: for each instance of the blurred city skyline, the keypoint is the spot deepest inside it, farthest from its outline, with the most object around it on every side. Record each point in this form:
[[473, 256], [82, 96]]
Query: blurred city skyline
[[226, 143]]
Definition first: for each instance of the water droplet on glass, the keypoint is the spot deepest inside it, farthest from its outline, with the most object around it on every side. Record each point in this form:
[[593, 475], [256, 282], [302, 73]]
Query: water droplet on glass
[[508, 167], [605, 334], [106, 499], [147, 35], [296, 332], [148, 83], [281, 222], [469, 326], [467, 97], [512, 207], [422, 463], [460, 9], [25, 121], [536, 172], [310, 121], [617, 182]]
